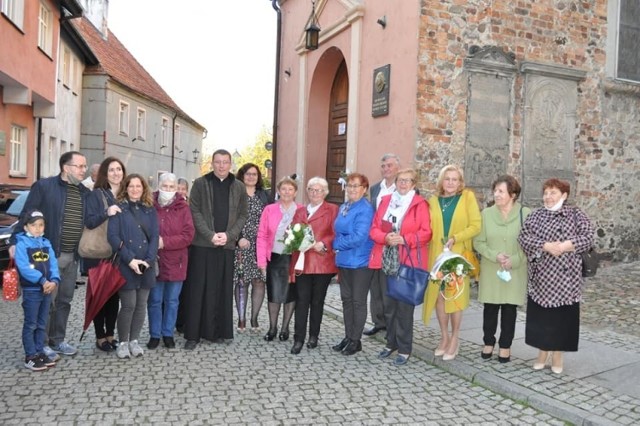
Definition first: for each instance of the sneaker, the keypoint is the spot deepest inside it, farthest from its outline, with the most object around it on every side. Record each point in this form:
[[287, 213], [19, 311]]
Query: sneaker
[[65, 349], [34, 363], [46, 360], [50, 353], [123, 350], [135, 348]]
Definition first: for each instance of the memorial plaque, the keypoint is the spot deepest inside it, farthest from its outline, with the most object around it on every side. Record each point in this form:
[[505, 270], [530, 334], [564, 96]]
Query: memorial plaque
[[380, 97]]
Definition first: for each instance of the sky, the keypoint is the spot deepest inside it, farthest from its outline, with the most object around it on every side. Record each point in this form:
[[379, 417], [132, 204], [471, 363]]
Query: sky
[[216, 59]]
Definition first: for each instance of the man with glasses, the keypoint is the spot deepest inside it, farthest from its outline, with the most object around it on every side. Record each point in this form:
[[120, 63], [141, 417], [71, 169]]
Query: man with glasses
[[61, 199], [218, 204], [389, 166]]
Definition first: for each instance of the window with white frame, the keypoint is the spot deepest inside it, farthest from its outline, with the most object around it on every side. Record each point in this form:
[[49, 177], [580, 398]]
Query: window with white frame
[[66, 67], [45, 29], [18, 151], [164, 133], [141, 124], [14, 10], [176, 137], [623, 55], [75, 75], [123, 126]]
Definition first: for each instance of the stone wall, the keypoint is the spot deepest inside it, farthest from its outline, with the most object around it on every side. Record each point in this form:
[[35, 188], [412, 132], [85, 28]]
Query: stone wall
[[552, 33]]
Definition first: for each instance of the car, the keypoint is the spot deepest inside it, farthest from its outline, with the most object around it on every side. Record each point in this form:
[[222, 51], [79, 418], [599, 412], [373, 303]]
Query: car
[[8, 222], [8, 194]]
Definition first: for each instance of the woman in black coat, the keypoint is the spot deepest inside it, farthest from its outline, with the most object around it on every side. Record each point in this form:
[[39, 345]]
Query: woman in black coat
[[134, 234]]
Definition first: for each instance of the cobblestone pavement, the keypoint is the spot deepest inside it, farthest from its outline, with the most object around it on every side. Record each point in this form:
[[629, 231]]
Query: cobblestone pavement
[[249, 381]]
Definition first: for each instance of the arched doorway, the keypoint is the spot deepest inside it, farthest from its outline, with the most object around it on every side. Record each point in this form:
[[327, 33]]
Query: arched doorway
[[337, 133]]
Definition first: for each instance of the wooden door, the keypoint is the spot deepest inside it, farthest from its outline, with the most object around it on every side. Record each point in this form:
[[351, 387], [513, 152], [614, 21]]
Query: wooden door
[[337, 143]]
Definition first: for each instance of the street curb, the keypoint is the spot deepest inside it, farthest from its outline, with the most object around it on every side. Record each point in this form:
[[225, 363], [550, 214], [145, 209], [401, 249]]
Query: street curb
[[543, 403]]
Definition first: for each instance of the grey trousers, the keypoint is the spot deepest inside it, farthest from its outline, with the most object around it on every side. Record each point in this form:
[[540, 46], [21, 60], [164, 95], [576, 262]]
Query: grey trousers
[[399, 325], [61, 300], [133, 310], [377, 293], [354, 286]]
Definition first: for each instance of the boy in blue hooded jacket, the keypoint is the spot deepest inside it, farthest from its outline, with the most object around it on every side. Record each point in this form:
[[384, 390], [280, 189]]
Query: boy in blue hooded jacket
[[39, 278]]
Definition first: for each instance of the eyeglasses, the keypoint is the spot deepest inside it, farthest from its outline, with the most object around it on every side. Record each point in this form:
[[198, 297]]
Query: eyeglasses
[[251, 174], [80, 166], [314, 190], [352, 186], [404, 180]]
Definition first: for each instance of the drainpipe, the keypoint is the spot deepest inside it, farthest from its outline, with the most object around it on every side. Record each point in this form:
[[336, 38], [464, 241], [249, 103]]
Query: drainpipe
[[173, 139], [39, 149], [274, 149]]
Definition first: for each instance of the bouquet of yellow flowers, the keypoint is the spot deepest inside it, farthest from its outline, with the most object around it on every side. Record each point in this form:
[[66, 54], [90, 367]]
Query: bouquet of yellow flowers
[[449, 270], [298, 237]]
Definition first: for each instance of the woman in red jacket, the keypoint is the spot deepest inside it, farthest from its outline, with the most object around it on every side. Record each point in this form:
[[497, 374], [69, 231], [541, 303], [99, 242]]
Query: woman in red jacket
[[317, 265], [176, 233], [402, 221]]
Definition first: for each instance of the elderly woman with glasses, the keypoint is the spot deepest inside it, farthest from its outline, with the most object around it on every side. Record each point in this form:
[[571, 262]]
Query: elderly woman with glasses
[[402, 221], [353, 248], [312, 270]]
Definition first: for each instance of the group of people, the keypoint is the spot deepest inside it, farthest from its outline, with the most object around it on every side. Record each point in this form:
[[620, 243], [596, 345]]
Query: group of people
[[229, 238]]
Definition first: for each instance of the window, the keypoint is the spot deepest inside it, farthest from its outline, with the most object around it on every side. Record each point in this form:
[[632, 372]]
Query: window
[[164, 133], [124, 119], [623, 56], [45, 30], [176, 136], [14, 10], [142, 124], [18, 151], [75, 75], [66, 67]]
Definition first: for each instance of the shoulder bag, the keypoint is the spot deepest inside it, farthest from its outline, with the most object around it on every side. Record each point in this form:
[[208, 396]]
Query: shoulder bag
[[589, 258], [409, 283], [10, 285], [93, 242]]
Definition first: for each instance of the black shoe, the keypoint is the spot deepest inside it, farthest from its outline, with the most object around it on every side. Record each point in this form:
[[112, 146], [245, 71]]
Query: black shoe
[[104, 346], [190, 345], [153, 342], [373, 330], [271, 334], [313, 342], [169, 343], [504, 359], [297, 347], [340, 346], [284, 336], [113, 343], [353, 347]]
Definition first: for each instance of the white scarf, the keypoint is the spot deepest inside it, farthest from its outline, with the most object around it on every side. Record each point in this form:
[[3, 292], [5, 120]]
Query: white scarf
[[398, 206]]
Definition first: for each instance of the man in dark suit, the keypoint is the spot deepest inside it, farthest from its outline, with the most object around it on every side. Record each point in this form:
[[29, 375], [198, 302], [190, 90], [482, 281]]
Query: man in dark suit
[[389, 166]]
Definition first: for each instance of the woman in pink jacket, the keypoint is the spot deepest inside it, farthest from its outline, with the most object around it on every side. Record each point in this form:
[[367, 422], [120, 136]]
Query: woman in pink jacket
[[272, 260], [402, 220]]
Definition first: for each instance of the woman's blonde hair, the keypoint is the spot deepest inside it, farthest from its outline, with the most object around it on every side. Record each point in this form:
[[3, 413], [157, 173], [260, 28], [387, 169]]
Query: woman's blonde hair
[[408, 171], [445, 169], [287, 180]]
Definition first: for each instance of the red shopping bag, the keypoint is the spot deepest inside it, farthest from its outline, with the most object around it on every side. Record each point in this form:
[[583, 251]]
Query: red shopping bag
[[10, 283]]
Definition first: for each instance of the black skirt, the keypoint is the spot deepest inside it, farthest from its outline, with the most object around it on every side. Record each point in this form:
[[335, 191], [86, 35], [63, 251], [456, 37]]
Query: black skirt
[[279, 290], [553, 329]]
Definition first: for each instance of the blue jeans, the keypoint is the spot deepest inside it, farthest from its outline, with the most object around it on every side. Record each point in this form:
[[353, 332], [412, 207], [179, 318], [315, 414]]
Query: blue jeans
[[163, 308], [36, 307]]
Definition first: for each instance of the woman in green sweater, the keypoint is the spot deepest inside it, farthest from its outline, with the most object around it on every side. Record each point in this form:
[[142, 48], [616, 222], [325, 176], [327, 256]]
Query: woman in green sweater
[[503, 268]]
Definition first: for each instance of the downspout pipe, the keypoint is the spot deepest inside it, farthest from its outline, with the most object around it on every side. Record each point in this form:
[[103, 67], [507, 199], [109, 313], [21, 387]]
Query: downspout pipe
[[173, 139], [274, 150], [39, 150]]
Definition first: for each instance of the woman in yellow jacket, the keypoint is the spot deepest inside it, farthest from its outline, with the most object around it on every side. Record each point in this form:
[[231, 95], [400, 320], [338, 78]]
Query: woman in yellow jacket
[[455, 220]]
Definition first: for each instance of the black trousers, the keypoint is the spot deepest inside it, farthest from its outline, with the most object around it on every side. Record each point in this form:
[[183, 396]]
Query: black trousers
[[507, 324], [105, 321], [354, 287], [311, 290]]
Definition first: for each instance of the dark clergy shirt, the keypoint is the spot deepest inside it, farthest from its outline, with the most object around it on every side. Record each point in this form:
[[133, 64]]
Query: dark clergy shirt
[[72, 220], [221, 203]]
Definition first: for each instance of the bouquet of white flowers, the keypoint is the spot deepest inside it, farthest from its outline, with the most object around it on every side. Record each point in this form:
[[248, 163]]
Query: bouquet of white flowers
[[298, 237]]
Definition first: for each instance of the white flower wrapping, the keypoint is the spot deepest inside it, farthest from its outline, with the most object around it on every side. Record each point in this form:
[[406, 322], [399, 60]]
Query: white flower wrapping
[[299, 237]]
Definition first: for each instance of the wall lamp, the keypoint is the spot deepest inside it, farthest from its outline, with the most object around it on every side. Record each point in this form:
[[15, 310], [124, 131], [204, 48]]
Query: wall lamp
[[382, 22], [312, 36], [195, 153]]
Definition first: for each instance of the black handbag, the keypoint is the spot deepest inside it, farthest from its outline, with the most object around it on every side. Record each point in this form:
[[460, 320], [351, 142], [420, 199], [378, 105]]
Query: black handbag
[[589, 258], [409, 283]]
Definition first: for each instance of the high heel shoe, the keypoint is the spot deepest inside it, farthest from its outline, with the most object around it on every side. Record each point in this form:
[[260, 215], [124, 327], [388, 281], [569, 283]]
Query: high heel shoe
[[271, 334], [284, 336], [242, 325], [556, 363], [254, 326], [544, 356], [451, 357], [487, 355], [504, 359], [440, 352]]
